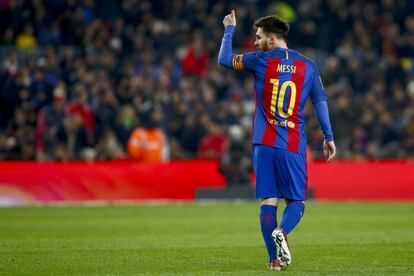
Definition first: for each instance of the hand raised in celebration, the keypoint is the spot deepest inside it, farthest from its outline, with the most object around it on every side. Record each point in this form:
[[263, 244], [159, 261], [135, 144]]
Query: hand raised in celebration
[[230, 19]]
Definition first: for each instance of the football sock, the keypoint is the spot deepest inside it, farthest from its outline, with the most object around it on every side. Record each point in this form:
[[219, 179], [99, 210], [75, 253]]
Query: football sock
[[292, 215], [268, 223]]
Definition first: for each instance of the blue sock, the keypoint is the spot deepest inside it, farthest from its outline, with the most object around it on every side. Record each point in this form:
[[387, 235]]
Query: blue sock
[[268, 223], [292, 215]]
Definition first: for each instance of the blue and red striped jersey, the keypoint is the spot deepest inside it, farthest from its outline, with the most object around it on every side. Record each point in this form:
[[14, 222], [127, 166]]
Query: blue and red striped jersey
[[283, 80]]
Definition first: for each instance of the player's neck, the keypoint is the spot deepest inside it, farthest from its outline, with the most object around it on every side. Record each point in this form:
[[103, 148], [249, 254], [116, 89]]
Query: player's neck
[[281, 44]]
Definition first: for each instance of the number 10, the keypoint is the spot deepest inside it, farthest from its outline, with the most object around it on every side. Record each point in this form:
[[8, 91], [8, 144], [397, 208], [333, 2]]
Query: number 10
[[281, 98]]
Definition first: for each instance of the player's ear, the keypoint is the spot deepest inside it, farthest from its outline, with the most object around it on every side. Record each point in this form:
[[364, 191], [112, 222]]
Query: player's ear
[[272, 39]]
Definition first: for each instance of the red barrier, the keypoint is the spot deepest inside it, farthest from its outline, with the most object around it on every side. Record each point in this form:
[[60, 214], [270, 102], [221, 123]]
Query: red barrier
[[31, 182], [366, 180]]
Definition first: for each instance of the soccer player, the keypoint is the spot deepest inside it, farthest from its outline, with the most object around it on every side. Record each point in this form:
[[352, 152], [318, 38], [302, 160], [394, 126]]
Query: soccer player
[[283, 80]]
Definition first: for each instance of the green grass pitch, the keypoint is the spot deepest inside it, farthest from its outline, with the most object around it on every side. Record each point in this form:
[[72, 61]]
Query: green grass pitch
[[203, 239]]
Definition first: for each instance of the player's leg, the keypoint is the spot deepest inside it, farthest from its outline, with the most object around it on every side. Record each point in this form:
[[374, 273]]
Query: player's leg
[[268, 223], [292, 176], [293, 189], [290, 219], [291, 215], [266, 190]]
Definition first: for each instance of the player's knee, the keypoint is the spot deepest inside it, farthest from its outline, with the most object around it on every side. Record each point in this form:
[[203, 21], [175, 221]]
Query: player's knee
[[268, 201]]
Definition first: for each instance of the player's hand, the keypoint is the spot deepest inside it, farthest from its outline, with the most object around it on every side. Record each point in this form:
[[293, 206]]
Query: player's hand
[[230, 19], [329, 150]]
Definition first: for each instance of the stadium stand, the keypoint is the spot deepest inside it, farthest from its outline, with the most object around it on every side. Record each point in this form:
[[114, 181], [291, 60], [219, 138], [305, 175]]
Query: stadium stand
[[77, 77]]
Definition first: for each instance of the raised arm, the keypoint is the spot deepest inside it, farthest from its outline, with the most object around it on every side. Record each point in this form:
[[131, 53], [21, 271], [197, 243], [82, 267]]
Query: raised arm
[[225, 56]]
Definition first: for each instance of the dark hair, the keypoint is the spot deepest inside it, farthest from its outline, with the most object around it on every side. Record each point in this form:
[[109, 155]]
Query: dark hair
[[273, 24]]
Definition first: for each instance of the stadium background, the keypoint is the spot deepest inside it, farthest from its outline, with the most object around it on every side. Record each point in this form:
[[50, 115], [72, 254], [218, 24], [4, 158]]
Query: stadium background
[[77, 77], [130, 59]]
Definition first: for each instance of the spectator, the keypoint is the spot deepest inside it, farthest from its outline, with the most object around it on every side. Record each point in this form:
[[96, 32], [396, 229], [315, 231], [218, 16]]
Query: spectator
[[196, 59], [149, 143], [73, 138], [26, 40], [109, 148], [80, 106], [125, 123], [235, 163], [213, 144], [41, 90], [49, 121]]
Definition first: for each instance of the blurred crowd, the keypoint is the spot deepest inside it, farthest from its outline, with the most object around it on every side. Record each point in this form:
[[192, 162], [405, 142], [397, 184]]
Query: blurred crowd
[[78, 77]]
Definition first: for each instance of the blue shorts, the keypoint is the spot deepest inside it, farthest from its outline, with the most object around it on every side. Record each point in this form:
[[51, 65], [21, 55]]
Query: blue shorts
[[279, 173]]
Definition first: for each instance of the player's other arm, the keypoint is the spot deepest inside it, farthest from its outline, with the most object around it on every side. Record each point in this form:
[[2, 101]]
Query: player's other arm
[[320, 105]]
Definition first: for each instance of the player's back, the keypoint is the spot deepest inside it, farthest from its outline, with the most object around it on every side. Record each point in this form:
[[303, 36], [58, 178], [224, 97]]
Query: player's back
[[284, 79]]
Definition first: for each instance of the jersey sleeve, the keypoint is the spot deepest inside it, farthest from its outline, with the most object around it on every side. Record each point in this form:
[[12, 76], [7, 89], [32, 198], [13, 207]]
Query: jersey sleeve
[[317, 92], [320, 104], [226, 57], [245, 62]]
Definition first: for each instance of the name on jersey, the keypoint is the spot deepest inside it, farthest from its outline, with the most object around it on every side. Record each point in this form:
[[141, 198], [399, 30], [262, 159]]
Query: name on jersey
[[286, 68]]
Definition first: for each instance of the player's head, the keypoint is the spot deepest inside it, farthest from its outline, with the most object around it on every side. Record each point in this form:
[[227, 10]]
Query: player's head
[[271, 32]]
